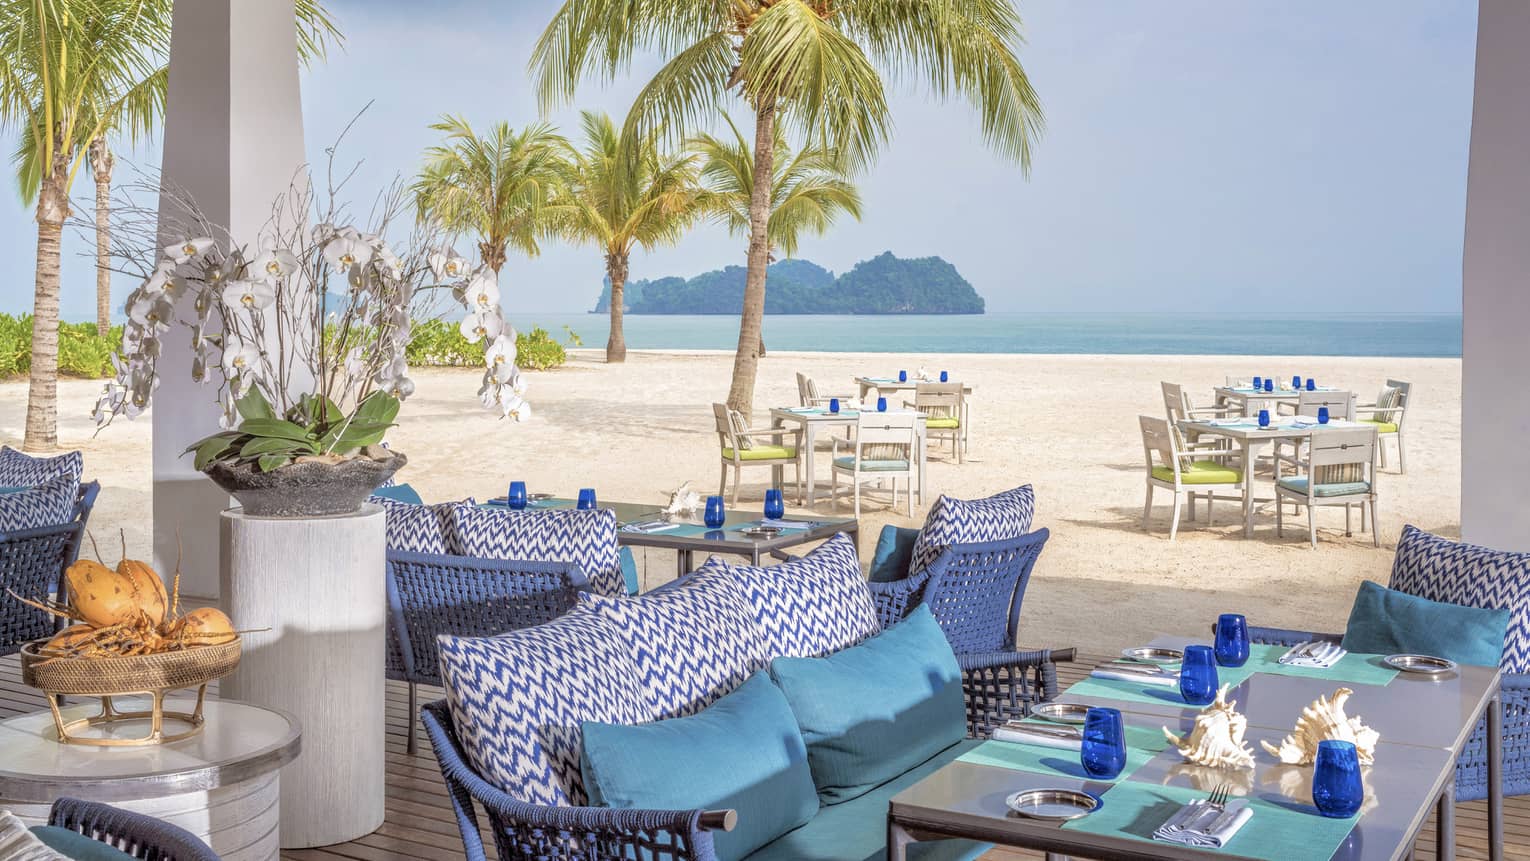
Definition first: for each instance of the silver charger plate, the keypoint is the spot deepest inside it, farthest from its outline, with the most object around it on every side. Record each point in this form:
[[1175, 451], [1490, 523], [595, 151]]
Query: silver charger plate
[[538, 497], [761, 531], [1057, 805], [1427, 665], [1153, 655], [1069, 713]]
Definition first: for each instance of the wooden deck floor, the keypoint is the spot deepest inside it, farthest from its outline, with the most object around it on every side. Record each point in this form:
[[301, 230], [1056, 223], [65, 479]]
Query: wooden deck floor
[[420, 824]]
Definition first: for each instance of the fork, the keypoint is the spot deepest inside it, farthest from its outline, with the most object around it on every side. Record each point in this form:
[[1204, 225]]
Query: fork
[[1218, 798]]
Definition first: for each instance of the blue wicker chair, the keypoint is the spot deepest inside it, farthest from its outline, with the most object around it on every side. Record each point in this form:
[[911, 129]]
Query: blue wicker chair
[[32, 564], [140, 836], [429, 595]]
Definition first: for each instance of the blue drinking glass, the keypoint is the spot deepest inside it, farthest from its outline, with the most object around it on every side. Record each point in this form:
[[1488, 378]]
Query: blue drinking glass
[[1322, 415], [903, 376], [774, 506], [1198, 676], [1232, 640], [1269, 384], [833, 405], [1296, 383], [1103, 751], [945, 377], [587, 499], [1264, 418], [715, 515], [1337, 789], [1258, 384], [1311, 384], [517, 495], [881, 405]]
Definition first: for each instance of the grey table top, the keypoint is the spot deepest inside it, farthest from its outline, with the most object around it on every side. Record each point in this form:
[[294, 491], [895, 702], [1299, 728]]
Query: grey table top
[[1280, 427]]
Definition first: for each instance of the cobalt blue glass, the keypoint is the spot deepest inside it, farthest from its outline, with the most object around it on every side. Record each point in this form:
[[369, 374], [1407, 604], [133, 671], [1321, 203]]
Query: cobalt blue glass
[[903, 376], [715, 514], [516, 498], [833, 405], [587, 499], [1232, 640], [1258, 384], [1269, 384], [774, 506], [1311, 384], [1337, 790], [945, 377], [1322, 415], [881, 405], [1103, 751], [1198, 676], [1296, 383], [1264, 418]]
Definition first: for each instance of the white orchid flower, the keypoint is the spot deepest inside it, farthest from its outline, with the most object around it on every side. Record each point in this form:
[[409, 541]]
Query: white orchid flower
[[151, 310], [164, 280], [249, 295], [481, 325], [355, 364], [515, 407], [447, 265], [241, 359], [481, 292], [322, 232], [203, 304], [344, 252], [500, 357], [400, 387], [185, 252], [274, 264], [391, 371], [390, 264]]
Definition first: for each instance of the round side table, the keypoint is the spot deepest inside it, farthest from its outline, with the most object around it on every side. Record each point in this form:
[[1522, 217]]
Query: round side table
[[223, 784]]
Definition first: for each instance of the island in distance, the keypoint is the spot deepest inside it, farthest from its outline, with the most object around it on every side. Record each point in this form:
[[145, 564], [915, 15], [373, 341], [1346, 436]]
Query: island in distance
[[885, 284]]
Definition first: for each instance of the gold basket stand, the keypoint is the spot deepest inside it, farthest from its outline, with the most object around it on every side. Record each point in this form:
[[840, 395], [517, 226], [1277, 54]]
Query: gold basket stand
[[157, 715]]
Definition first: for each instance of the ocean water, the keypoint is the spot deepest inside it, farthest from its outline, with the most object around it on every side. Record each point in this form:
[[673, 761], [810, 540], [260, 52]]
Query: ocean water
[[1404, 335]]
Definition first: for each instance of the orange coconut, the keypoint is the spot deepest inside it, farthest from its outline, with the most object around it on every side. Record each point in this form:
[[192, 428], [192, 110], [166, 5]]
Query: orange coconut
[[148, 590], [204, 626], [100, 596]]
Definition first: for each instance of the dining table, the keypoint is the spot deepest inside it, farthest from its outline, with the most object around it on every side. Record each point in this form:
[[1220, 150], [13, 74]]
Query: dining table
[[1249, 400], [816, 420]]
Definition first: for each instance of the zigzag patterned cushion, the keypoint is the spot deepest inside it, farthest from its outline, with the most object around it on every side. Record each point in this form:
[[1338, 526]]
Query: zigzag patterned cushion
[[808, 607], [18, 469], [519, 701], [1455, 572], [418, 528], [969, 521], [585, 538], [47, 504], [693, 641]]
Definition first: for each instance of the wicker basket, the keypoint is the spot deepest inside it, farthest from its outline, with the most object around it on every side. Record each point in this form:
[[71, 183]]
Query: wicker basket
[[153, 675]]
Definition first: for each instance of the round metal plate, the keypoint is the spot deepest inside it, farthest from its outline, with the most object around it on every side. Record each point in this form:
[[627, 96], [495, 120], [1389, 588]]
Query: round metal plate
[[539, 497], [1057, 805], [1069, 713], [761, 531], [1427, 665], [1153, 655]]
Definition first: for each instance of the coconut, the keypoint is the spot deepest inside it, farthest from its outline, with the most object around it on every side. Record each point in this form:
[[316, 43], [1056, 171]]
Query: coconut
[[204, 626], [99, 595], [148, 590], [65, 642]]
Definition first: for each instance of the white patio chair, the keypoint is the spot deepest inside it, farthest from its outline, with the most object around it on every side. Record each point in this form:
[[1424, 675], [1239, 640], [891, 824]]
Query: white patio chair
[[1338, 469], [1182, 472], [883, 449], [1177, 408], [943, 408], [1387, 414], [1341, 405], [741, 448], [809, 396]]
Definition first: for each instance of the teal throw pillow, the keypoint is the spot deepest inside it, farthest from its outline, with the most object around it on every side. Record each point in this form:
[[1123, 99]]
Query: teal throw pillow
[[742, 752], [895, 549], [629, 571], [873, 711], [73, 844], [400, 492], [1387, 622]]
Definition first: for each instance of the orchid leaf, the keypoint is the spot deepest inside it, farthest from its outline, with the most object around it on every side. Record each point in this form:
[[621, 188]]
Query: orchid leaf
[[277, 428], [377, 408], [253, 405], [269, 462], [210, 449], [269, 445]]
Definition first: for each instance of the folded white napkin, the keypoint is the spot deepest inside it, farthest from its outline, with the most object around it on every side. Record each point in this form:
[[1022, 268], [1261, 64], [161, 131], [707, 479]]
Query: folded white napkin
[[1163, 680], [1063, 738], [650, 526], [1320, 657], [1200, 824]]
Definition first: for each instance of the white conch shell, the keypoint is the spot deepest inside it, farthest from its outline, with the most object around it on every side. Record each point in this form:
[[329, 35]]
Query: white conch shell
[[921, 374], [1324, 720], [683, 500], [1216, 740]]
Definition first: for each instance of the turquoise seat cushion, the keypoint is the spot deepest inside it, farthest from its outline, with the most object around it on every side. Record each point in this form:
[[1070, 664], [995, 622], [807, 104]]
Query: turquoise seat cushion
[[1338, 488], [73, 844], [847, 461], [629, 571], [400, 492], [856, 830], [746, 754], [1386, 622], [873, 711], [895, 549]]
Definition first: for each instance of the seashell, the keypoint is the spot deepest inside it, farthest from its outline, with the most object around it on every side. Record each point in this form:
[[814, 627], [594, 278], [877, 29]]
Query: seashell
[[148, 590], [683, 500], [99, 595], [1324, 720], [1216, 740]]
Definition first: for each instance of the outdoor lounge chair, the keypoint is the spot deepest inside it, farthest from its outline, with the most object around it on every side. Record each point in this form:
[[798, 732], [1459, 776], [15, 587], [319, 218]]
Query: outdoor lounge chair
[[139, 836], [32, 563]]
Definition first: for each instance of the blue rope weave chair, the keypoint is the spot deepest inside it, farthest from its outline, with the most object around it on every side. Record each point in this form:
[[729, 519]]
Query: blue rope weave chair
[[430, 595], [140, 836], [32, 563]]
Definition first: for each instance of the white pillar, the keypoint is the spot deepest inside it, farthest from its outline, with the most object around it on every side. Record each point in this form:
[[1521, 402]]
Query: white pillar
[[233, 144], [1495, 415]]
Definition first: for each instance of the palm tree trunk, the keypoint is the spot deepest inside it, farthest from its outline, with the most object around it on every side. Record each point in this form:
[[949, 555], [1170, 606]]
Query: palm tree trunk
[[746, 361], [616, 345], [42, 390], [101, 163], [493, 255]]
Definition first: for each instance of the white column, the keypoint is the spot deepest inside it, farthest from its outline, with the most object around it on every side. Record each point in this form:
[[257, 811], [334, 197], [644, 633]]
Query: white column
[[233, 144], [1495, 415]]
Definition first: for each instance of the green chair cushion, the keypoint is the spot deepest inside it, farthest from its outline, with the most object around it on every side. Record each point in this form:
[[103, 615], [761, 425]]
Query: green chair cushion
[[895, 551], [73, 844], [1385, 622], [762, 452], [1338, 488], [847, 462], [942, 422], [1201, 472], [856, 830], [1382, 426]]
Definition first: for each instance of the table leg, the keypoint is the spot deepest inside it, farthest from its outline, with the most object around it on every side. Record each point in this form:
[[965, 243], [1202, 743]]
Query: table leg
[[1495, 775], [923, 434], [1445, 824], [777, 471], [1250, 456], [810, 443], [682, 563], [897, 842]]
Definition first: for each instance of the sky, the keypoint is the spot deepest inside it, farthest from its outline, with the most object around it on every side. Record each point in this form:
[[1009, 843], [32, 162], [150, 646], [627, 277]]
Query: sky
[[1200, 155]]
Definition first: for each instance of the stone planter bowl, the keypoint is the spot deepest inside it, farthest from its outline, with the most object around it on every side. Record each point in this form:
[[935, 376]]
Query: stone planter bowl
[[305, 489]]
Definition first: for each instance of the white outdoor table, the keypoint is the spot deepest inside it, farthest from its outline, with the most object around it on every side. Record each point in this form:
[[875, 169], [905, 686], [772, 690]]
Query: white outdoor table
[[222, 784], [892, 386], [1243, 397], [813, 418]]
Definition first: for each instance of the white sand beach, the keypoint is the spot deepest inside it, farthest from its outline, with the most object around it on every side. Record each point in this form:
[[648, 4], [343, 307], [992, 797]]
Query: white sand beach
[[1066, 424]]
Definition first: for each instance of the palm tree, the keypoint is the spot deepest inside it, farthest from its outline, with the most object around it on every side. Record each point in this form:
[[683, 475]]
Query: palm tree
[[499, 187], [619, 193], [812, 65]]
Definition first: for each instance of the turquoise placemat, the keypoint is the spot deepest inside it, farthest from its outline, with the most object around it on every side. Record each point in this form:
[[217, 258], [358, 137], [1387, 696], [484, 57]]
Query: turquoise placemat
[[1132, 692], [531, 505], [1142, 744], [1355, 668], [1281, 829]]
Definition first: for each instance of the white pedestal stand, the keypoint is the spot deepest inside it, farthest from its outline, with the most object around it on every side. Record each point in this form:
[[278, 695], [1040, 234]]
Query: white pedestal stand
[[317, 584]]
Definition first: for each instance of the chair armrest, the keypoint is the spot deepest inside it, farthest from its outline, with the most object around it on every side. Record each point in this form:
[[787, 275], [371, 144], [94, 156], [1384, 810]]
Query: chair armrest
[[150, 837], [896, 598], [1211, 411], [1380, 411], [1287, 636], [769, 432], [1002, 686]]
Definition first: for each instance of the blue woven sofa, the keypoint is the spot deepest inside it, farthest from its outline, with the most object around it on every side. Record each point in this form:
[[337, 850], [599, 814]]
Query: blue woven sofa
[[995, 685], [32, 563]]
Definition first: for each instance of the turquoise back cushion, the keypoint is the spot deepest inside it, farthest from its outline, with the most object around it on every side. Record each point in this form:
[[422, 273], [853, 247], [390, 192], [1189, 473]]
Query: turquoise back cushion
[[400, 492], [743, 751], [73, 844], [873, 711], [1385, 622], [895, 548], [629, 570]]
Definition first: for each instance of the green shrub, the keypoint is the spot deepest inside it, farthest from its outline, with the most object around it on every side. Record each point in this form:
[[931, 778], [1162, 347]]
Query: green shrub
[[81, 352], [440, 342], [537, 350]]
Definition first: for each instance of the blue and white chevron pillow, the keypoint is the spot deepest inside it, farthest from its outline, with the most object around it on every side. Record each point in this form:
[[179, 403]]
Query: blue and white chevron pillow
[[519, 701], [970, 521], [1455, 572], [418, 528], [693, 641], [811, 606], [18, 469], [585, 538], [47, 504]]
